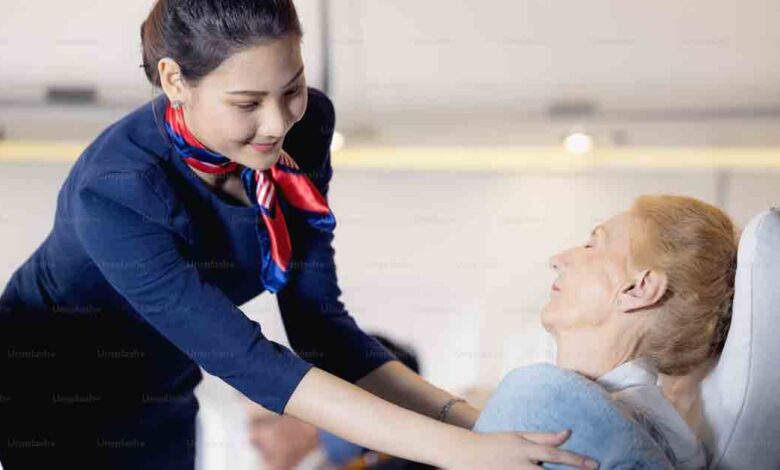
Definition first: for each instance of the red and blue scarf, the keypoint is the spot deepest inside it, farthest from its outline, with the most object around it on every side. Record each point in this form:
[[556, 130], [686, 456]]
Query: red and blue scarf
[[264, 188]]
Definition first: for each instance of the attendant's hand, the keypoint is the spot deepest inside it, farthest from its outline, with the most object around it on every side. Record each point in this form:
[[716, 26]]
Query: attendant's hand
[[515, 451]]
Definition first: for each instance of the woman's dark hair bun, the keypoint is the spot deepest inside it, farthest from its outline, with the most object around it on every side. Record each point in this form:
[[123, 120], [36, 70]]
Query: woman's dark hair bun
[[200, 34]]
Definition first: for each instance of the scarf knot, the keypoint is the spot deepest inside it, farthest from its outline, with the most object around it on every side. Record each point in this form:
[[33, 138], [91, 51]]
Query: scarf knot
[[264, 188]]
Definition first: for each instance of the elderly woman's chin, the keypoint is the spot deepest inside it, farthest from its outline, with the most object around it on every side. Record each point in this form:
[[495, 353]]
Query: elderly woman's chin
[[550, 316], [561, 316]]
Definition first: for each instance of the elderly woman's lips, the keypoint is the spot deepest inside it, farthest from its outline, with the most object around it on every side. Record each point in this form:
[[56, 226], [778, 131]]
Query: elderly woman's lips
[[555, 288]]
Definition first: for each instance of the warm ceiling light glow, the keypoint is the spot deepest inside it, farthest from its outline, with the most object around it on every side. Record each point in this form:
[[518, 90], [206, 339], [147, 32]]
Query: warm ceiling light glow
[[338, 142], [578, 143]]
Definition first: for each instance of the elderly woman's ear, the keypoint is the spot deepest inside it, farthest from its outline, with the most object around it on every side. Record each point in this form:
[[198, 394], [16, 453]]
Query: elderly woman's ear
[[645, 291]]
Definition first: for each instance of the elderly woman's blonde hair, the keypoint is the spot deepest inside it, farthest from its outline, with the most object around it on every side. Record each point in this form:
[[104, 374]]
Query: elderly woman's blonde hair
[[695, 245]]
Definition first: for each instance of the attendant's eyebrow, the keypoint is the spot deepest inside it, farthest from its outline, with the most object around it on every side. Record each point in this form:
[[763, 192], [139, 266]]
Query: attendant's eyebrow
[[263, 93]]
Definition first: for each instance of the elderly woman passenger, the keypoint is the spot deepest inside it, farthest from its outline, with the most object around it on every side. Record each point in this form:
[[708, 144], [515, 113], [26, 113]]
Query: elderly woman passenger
[[649, 293]]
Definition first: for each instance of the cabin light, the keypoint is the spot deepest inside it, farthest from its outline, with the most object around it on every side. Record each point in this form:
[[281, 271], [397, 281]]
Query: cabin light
[[578, 143]]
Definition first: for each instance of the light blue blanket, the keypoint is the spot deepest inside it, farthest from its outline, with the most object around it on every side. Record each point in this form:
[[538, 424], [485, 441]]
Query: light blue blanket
[[546, 398]]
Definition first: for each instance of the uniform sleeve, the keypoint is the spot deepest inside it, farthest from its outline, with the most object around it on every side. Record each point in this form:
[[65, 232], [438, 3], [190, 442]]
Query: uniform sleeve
[[123, 224], [318, 325]]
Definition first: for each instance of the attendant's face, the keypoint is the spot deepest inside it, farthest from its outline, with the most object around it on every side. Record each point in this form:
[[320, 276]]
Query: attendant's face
[[591, 278], [244, 108]]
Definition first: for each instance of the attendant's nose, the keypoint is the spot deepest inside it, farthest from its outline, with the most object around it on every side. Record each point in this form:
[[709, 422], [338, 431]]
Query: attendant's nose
[[274, 121]]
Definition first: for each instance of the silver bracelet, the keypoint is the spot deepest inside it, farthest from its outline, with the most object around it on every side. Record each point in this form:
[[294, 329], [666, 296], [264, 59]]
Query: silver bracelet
[[447, 406]]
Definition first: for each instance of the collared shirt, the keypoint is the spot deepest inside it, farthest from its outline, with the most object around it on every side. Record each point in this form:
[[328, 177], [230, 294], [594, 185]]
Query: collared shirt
[[633, 385]]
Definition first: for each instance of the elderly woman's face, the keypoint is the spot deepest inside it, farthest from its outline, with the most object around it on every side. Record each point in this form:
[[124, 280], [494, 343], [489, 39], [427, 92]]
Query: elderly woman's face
[[590, 277]]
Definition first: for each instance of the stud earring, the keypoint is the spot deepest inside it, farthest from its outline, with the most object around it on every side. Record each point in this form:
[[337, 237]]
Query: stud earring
[[176, 104]]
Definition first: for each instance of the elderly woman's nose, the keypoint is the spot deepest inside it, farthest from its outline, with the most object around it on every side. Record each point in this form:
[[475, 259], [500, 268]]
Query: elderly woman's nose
[[563, 259], [556, 262]]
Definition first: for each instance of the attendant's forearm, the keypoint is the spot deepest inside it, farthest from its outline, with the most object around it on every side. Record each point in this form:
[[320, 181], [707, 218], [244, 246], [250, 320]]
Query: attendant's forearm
[[397, 383], [358, 416]]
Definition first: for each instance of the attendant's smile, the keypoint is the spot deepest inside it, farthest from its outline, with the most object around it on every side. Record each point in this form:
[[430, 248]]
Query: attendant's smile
[[265, 147]]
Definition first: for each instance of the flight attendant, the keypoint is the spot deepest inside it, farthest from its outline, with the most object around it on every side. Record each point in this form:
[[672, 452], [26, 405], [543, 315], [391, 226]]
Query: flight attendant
[[173, 217]]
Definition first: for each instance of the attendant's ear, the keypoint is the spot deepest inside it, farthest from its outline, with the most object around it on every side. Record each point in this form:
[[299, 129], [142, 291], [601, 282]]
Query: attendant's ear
[[645, 291], [171, 80]]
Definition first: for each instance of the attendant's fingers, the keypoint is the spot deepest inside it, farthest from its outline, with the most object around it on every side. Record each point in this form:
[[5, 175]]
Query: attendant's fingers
[[547, 439], [553, 455]]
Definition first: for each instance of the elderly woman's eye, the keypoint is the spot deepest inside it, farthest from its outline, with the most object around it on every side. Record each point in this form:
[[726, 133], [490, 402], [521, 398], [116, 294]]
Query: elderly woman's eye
[[247, 106]]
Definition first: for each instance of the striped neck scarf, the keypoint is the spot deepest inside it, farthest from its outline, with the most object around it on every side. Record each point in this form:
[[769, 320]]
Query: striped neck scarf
[[264, 188]]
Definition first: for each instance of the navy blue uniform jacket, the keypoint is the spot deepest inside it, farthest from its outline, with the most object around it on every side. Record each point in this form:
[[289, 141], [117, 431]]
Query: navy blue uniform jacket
[[140, 280]]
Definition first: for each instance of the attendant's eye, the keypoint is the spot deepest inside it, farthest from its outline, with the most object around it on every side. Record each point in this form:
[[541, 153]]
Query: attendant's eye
[[294, 91], [247, 106]]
